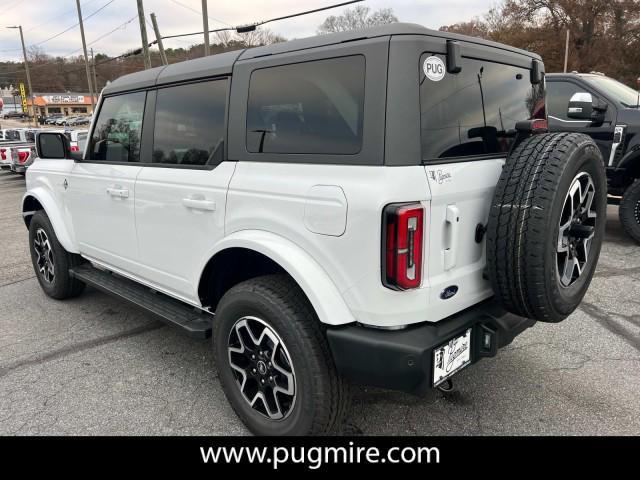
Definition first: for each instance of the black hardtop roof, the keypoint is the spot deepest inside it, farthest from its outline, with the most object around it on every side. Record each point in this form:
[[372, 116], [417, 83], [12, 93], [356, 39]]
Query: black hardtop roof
[[222, 64]]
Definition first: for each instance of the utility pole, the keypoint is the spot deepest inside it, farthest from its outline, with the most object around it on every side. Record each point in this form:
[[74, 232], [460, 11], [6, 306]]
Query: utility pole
[[26, 68], [205, 24], [143, 34], [95, 76], [163, 55], [566, 52], [86, 58]]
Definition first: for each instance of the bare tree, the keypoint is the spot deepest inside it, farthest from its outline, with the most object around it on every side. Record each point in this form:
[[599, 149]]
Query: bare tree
[[260, 36], [357, 18], [224, 37], [604, 34]]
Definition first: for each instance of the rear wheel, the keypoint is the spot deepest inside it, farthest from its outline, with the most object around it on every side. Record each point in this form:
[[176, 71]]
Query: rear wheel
[[630, 210], [51, 261], [274, 361], [546, 225]]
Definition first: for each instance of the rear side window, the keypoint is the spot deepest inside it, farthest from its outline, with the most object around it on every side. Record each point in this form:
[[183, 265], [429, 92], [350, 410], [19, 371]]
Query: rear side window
[[307, 108], [474, 112], [117, 131], [189, 124]]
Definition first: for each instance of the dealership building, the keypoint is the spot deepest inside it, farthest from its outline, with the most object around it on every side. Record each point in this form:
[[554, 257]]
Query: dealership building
[[60, 103]]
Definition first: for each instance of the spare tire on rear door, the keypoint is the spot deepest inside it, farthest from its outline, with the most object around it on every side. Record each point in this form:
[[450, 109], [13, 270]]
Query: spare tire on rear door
[[546, 225]]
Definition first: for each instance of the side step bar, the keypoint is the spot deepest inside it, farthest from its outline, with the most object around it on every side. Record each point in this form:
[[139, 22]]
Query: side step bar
[[173, 312]]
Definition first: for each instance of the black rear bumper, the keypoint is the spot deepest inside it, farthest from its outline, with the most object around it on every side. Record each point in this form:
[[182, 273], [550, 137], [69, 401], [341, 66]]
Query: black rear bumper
[[403, 359]]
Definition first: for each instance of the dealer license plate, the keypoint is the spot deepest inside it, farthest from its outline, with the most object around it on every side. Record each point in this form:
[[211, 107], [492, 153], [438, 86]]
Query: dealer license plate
[[451, 357]]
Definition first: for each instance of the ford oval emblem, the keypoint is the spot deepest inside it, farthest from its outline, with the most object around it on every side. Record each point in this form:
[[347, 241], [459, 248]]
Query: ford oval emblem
[[449, 292]]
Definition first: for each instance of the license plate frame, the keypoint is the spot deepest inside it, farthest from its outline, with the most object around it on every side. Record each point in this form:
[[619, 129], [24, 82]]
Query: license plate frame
[[451, 357]]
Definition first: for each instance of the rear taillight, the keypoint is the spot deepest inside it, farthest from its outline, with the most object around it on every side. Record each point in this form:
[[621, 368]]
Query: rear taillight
[[22, 157], [74, 148], [402, 229], [539, 125], [3, 153]]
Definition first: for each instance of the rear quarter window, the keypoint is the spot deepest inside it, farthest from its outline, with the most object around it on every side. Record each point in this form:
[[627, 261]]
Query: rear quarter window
[[314, 107], [473, 113]]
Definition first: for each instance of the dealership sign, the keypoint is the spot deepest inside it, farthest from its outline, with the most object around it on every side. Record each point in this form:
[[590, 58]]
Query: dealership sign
[[64, 98], [23, 96]]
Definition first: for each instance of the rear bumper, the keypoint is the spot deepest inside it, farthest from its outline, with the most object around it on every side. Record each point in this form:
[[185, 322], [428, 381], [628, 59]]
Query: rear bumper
[[403, 359]]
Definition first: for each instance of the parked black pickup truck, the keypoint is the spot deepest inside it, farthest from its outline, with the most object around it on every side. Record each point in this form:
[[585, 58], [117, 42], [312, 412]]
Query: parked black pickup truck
[[609, 112]]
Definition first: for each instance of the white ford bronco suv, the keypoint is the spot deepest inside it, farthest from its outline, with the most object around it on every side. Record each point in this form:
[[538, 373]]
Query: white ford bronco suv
[[381, 206]]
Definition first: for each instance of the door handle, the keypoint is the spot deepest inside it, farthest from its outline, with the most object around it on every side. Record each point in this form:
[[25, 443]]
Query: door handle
[[199, 204], [118, 192], [452, 218]]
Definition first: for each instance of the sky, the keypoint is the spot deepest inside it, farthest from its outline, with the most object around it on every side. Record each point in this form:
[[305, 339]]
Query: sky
[[108, 31]]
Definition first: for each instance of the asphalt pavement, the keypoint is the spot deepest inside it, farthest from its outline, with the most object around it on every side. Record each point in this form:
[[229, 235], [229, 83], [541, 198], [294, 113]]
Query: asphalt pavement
[[94, 365]]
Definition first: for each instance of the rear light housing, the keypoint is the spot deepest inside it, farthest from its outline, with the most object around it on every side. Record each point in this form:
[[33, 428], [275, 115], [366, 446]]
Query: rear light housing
[[402, 245], [3, 153], [23, 156], [74, 148]]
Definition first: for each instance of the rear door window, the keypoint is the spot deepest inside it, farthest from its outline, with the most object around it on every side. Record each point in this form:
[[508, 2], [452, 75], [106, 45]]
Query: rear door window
[[313, 107], [473, 113], [118, 128], [190, 124]]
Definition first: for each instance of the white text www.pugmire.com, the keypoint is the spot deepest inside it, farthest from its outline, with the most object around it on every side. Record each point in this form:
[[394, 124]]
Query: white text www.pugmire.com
[[315, 457]]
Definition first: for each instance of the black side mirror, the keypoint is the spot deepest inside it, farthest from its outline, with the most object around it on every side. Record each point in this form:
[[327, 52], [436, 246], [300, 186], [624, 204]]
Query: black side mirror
[[580, 106], [599, 106], [52, 146]]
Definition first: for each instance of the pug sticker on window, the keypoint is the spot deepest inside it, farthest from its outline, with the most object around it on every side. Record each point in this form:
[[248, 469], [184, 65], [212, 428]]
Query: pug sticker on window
[[434, 68]]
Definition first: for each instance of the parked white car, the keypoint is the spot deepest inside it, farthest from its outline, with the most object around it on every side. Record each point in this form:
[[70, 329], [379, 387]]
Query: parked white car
[[381, 206]]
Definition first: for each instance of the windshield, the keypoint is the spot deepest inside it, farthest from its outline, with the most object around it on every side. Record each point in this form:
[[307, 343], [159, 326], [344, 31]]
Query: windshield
[[627, 96]]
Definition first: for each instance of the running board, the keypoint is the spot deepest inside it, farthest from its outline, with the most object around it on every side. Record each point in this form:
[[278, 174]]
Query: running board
[[173, 312]]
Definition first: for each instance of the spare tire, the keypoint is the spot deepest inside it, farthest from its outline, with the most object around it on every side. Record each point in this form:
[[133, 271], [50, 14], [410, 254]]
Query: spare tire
[[546, 225]]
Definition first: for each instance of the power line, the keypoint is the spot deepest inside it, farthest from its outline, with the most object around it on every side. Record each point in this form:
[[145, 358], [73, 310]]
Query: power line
[[252, 26], [199, 13], [239, 29], [75, 25], [58, 57], [64, 14]]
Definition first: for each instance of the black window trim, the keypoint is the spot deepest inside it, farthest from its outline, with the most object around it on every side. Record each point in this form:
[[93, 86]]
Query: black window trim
[[364, 105], [466, 158], [148, 125]]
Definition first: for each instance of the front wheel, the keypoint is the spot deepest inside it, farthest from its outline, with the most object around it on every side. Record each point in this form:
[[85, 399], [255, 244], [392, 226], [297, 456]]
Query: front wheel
[[51, 261], [630, 210], [274, 361]]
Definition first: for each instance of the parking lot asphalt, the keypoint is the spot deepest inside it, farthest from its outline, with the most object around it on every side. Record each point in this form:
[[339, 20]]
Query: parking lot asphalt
[[94, 365]]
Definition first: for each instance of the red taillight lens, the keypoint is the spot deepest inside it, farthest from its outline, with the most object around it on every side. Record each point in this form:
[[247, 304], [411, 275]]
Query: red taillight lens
[[539, 125], [22, 157], [74, 148], [3, 153], [403, 244]]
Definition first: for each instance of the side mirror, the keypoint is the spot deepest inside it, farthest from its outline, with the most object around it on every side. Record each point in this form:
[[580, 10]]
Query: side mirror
[[52, 146], [599, 106], [580, 106]]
